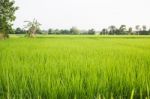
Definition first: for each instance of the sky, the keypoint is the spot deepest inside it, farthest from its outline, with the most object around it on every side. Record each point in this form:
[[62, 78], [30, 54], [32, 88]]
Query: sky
[[83, 14]]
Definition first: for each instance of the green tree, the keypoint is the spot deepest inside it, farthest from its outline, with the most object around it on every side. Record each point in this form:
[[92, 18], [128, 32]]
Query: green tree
[[74, 30], [57, 31], [104, 31], [39, 31], [50, 31], [112, 29], [65, 31], [144, 28], [91, 31], [137, 27], [122, 29], [7, 11], [19, 31]]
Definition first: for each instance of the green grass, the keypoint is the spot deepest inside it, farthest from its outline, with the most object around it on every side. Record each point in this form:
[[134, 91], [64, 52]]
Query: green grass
[[100, 36], [75, 68]]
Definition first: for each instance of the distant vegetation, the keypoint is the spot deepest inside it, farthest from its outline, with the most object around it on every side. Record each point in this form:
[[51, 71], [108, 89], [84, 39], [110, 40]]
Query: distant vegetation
[[111, 30]]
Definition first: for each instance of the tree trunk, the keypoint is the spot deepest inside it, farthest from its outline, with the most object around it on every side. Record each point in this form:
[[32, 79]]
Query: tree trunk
[[4, 36]]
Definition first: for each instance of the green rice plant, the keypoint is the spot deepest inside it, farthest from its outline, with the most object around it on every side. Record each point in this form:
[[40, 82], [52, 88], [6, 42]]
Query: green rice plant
[[75, 67], [132, 94]]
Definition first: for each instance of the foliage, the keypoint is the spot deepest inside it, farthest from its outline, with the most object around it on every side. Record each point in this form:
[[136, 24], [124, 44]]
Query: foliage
[[7, 11], [19, 31], [32, 28], [74, 30], [50, 31], [91, 31], [122, 29], [104, 31], [65, 31], [75, 67], [130, 31], [112, 30]]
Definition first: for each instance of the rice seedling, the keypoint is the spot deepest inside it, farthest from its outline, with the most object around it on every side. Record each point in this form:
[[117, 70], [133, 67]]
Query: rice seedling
[[75, 68]]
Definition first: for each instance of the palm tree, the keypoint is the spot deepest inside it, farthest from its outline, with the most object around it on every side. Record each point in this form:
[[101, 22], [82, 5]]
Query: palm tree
[[137, 27], [122, 29], [32, 27], [144, 27]]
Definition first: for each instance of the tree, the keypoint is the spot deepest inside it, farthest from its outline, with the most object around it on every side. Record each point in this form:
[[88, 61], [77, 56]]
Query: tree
[[144, 30], [50, 31], [19, 31], [39, 31], [104, 31], [57, 31], [137, 27], [74, 30], [7, 11], [112, 29], [122, 29], [32, 27], [91, 31], [144, 27], [84, 32], [130, 31], [65, 31]]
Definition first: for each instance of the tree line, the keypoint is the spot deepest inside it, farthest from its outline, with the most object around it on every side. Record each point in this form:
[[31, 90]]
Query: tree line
[[71, 31], [111, 30]]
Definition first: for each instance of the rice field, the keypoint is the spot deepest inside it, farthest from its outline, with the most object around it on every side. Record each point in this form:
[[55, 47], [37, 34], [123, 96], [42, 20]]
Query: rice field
[[75, 68]]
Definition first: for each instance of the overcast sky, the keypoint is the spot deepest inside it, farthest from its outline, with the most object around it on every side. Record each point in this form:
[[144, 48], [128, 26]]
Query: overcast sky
[[84, 14]]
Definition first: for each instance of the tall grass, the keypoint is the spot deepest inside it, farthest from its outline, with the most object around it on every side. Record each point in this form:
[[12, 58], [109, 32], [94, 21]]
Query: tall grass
[[75, 68]]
